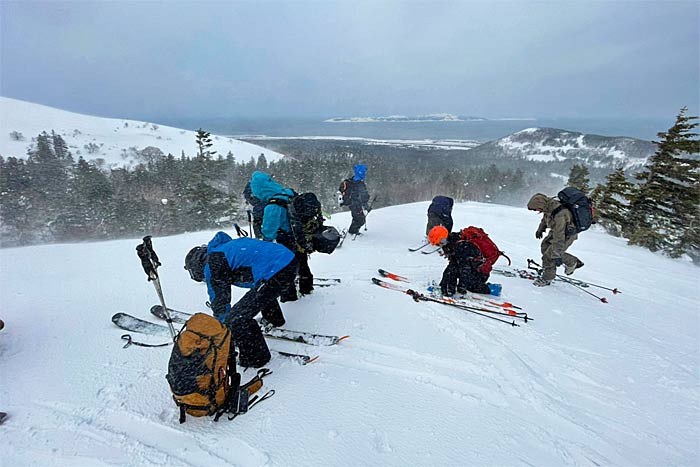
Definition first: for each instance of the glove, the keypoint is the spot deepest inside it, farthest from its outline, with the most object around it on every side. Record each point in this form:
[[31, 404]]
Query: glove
[[539, 234], [558, 262]]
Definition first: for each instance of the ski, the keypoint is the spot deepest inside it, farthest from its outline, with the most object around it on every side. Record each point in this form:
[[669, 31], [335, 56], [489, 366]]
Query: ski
[[430, 252], [391, 275], [419, 297], [301, 337], [343, 234], [531, 264], [3, 417], [420, 247], [433, 291], [133, 324]]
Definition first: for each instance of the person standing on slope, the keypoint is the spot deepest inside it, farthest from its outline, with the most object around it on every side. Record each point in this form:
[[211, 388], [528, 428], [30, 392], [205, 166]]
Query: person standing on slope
[[276, 226], [464, 259], [562, 233], [355, 195], [265, 268]]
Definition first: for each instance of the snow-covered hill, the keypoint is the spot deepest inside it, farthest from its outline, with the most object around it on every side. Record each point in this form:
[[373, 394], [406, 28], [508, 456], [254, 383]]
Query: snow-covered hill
[[584, 383], [115, 141], [551, 144]]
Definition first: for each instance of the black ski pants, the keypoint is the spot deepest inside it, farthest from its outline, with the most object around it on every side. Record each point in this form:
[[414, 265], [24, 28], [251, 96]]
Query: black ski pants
[[260, 299]]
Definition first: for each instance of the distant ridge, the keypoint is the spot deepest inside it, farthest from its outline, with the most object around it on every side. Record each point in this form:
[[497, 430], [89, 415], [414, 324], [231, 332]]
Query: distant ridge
[[553, 145]]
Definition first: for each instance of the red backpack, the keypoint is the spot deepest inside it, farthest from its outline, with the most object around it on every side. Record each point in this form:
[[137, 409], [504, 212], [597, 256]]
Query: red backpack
[[489, 250]]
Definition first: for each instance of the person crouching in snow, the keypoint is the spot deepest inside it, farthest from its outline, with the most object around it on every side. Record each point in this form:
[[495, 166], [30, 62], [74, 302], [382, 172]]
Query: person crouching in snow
[[464, 258]]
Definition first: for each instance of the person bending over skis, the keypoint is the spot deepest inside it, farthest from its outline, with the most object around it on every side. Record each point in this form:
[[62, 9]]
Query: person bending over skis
[[464, 258], [266, 268]]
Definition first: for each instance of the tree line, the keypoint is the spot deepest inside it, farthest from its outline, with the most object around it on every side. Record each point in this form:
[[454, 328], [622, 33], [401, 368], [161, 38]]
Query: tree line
[[51, 197], [659, 208]]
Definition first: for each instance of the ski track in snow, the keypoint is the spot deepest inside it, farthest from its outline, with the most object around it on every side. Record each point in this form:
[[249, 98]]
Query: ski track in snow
[[584, 383]]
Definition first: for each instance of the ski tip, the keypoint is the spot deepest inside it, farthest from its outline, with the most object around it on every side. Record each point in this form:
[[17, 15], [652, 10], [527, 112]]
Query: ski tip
[[312, 359], [117, 316], [155, 308], [342, 338]]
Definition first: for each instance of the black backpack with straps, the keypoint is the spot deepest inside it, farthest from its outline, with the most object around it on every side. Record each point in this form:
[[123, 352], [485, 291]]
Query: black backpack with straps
[[580, 206], [305, 218]]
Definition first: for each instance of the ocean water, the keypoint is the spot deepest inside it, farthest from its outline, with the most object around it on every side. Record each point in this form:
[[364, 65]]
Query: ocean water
[[476, 130]]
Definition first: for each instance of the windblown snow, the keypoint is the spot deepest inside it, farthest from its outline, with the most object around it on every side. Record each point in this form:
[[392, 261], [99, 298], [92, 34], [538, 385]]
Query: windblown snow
[[105, 139], [584, 383]]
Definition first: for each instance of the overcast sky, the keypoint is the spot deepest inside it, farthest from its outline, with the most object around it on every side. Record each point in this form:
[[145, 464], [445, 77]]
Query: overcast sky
[[353, 58]]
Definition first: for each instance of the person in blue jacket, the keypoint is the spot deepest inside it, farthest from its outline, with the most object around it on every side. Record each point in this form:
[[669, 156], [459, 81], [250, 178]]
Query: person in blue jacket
[[265, 268], [355, 195], [276, 227]]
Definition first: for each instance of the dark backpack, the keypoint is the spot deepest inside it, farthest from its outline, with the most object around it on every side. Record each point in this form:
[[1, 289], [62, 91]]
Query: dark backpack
[[489, 251], [441, 206], [580, 206], [305, 218], [345, 192]]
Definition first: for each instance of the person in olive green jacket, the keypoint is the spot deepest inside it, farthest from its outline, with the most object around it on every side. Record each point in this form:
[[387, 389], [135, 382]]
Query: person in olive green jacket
[[562, 233]]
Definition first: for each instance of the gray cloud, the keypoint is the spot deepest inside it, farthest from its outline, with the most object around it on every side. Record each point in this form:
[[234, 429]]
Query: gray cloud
[[327, 58]]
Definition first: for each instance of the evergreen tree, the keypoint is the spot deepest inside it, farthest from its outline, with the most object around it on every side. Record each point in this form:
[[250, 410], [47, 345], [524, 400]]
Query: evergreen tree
[[612, 202], [204, 143], [579, 178], [666, 206]]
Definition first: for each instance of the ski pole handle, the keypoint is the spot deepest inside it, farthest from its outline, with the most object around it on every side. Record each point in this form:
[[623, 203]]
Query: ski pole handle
[[149, 259]]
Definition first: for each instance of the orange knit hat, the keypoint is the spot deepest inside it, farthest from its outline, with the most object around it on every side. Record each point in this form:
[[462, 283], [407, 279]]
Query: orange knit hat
[[437, 235]]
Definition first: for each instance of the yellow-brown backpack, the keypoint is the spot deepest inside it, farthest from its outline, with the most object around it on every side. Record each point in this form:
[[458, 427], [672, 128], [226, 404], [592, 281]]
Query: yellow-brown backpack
[[202, 371]]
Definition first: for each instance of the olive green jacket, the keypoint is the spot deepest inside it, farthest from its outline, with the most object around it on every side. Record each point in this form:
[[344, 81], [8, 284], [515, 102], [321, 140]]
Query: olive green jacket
[[562, 227]]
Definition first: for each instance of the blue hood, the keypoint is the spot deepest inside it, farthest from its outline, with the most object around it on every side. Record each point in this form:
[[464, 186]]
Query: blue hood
[[360, 172], [264, 187]]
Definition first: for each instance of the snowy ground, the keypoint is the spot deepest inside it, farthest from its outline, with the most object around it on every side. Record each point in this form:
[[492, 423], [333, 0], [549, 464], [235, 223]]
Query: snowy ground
[[585, 383], [115, 140]]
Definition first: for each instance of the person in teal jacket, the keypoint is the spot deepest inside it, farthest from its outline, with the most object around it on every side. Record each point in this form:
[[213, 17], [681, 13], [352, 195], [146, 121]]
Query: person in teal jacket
[[276, 227], [265, 268]]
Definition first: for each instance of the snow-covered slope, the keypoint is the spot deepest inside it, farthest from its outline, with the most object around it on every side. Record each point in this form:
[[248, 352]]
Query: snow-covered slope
[[116, 141], [584, 383], [551, 144]]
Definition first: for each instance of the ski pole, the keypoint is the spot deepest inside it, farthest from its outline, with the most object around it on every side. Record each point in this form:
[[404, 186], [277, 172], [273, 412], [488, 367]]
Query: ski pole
[[532, 265], [150, 262], [417, 296], [250, 223], [369, 209], [239, 231], [570, 280]]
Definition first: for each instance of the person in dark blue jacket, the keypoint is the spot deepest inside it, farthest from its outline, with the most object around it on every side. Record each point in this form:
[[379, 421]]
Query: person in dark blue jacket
[[355, 195], [265, 268], [276, 227], [440, 213]]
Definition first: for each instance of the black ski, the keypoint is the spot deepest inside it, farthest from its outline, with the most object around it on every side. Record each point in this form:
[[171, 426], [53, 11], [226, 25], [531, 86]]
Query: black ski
[[134, 324], [275, 333], [3, 417]]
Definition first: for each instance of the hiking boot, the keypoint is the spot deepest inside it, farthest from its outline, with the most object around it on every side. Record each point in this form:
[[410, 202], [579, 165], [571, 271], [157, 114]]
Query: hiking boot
[[569, 270], [539, 282]]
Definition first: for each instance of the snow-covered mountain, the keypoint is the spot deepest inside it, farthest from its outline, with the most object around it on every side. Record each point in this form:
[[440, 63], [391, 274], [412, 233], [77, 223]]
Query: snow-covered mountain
[[551, 144], [115, 141], [420, 384]]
